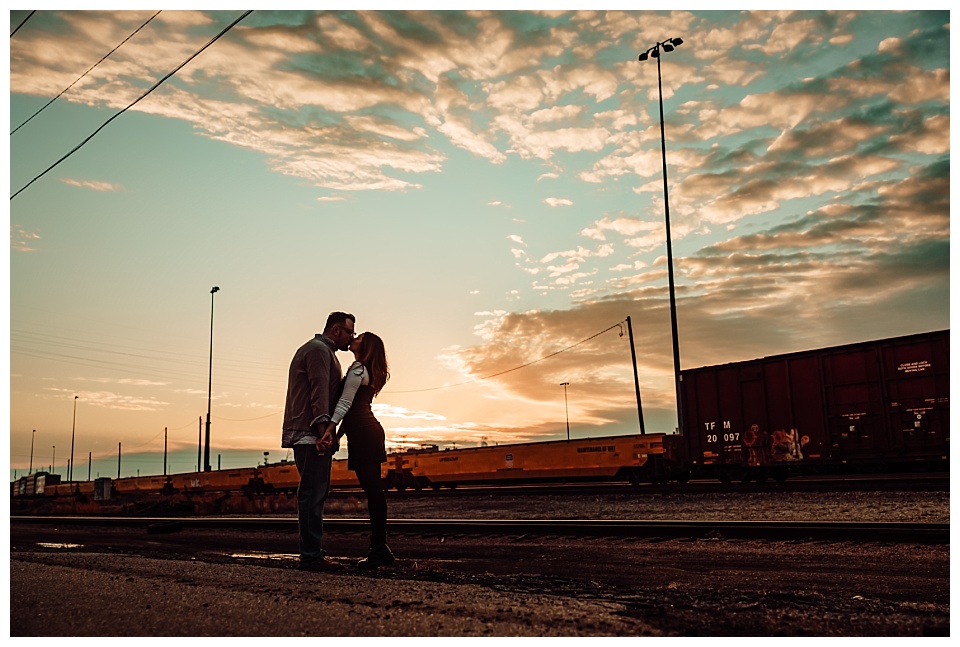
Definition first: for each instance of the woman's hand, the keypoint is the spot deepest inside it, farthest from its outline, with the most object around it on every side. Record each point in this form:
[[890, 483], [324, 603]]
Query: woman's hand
[[325, 441]]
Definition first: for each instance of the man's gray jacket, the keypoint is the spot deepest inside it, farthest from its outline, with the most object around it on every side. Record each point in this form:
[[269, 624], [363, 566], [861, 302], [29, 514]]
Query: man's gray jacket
[[313, 388]]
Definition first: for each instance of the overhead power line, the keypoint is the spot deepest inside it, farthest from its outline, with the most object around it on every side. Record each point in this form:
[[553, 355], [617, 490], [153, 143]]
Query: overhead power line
[[29, 16], [154, 87], [517, 368], [85, 73]]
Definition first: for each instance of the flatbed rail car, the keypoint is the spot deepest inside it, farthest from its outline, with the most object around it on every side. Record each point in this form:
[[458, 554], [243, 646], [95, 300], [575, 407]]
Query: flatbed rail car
[[873, 406], [633, 458], [284, 477]]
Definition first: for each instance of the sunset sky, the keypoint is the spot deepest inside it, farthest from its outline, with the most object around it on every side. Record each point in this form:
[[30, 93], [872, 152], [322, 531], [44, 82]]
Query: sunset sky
[[482, 189]]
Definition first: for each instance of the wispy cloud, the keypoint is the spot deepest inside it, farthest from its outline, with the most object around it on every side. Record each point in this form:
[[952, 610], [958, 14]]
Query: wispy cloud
[[91, 184], [22, 240], [120, 401]]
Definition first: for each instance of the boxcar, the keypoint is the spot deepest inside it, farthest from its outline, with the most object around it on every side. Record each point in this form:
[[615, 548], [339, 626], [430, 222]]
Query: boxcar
[[872, 406], [634, 458]]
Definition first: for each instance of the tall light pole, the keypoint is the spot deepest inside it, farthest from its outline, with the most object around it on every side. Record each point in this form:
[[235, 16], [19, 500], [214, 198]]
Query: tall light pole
[[31, 450], [206, 449], [73, 436], [565, 407], [668, 46], [53, 464]]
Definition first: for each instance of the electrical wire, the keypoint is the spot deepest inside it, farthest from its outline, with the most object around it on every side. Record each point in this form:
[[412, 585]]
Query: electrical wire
[[85, 73], [517, 368], [29, 16], [154, 87]]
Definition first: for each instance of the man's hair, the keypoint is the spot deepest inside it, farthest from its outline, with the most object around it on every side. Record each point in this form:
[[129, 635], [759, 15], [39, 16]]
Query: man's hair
[[338, 318]]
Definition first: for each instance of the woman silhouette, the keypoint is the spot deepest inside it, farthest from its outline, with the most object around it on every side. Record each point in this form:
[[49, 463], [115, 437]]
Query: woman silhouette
[[365, 437]]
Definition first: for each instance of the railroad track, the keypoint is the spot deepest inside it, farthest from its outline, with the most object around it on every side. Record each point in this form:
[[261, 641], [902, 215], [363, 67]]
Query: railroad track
[[925, 533], [939, 482]]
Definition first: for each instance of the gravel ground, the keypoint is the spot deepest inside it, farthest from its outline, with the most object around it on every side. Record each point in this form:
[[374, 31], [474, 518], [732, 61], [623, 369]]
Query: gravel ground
[[915, 507], [115, 582]]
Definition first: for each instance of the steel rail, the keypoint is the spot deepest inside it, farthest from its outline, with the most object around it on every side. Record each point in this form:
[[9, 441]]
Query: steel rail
[[927, 483], [926, 533]]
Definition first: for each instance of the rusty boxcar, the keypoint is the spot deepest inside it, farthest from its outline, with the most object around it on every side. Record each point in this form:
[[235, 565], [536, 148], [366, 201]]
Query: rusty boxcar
[[872, 406]]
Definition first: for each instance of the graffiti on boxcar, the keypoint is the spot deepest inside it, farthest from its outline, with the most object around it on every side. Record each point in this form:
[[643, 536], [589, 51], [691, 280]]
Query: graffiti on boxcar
[[781, 446], [786, 446]]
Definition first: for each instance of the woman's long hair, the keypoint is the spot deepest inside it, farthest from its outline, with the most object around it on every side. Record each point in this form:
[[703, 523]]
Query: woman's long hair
[[374, 356]]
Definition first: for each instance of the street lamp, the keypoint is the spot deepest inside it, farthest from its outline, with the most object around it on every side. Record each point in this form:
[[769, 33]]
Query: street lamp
[[668, 46], [73, 435], [206, 449], [566, 408], [31, 450], [53, 461]]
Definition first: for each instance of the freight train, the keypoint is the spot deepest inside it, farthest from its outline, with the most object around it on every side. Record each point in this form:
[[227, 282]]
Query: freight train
[[636, 458], [872, 406], [877, 406]]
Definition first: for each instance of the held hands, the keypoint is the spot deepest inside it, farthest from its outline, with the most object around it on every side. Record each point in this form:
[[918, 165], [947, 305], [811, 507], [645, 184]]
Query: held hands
[[326, 439]]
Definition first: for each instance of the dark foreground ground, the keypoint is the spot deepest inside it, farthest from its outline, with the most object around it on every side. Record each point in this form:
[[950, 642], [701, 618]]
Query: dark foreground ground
[[204, 582]]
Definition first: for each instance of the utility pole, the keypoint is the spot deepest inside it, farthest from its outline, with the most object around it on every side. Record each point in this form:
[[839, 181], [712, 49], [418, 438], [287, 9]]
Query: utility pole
[[565, 407], [636, 379], [73, 436]]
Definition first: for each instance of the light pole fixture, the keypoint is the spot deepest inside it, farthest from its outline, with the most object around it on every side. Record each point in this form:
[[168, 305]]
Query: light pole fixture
[[206, 449], [565, 407], [668, 46], [73, 436], [31, 450]]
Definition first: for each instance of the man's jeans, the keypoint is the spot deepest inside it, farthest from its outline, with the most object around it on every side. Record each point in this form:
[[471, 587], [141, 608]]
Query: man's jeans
[[314, 485]]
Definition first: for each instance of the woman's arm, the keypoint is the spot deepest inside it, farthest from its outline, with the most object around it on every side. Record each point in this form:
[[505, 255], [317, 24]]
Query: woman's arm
[[350, 385]]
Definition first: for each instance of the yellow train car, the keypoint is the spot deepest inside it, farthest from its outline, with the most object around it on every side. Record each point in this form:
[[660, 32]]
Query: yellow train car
[[284, 476], [232, 480], [76, 488], [633, 458], [139, 484], [278, 477]]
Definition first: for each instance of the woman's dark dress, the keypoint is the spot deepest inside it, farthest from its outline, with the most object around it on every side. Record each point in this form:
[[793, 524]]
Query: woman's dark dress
[[366, 450], [366, 441]]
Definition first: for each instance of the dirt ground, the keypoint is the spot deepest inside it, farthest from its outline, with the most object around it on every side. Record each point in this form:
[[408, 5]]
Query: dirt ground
[[114, 582]]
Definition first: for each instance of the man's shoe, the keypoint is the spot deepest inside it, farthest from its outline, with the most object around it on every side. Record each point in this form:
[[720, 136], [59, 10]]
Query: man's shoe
[[379, 556], [320, 564]]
